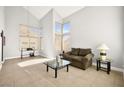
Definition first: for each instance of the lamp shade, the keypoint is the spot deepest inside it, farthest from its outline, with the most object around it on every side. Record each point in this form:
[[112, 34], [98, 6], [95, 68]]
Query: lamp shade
[[103, 47]]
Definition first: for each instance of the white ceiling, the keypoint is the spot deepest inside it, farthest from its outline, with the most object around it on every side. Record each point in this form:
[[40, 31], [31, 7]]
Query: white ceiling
[[64, 11]]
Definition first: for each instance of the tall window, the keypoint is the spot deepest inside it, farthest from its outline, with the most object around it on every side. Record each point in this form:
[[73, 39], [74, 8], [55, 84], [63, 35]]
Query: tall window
[[66, 28], [58, 37], [62, 36], [66, 36]]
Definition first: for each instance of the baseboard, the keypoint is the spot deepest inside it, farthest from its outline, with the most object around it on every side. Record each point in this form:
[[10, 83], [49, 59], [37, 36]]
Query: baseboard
[[12, 57], [19, 57], [117, 69], [113, 68]]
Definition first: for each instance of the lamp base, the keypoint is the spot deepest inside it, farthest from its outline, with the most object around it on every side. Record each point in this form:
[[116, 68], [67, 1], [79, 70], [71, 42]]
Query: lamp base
[[103, 58], [103, 55]]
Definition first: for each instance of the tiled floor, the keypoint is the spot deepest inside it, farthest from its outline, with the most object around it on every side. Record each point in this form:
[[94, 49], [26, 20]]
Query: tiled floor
[[12, 74]]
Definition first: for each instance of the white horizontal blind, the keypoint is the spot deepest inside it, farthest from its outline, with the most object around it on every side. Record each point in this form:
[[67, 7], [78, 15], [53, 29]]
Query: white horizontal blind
[[30, 37]]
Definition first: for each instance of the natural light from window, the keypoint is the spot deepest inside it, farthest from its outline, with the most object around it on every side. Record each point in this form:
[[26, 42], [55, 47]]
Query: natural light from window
[[34, 62], [66, 36]]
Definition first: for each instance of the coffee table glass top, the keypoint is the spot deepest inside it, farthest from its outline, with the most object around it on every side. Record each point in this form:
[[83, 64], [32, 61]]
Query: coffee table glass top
[[54, 64]]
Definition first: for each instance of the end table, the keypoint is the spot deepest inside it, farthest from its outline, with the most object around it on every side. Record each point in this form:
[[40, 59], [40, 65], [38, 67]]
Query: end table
[[106, 62]]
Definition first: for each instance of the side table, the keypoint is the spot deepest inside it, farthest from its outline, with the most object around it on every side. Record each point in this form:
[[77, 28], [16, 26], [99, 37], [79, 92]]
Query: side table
[[106, 62]]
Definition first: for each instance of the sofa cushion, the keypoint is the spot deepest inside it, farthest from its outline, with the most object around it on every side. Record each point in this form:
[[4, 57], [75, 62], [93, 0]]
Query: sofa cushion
[[77, 58], [84, 52], [75, 51]]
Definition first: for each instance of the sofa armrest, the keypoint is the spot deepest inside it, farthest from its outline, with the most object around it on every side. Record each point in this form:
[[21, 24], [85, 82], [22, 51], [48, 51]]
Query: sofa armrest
[[84, 59], [65, 54], [89, 56]]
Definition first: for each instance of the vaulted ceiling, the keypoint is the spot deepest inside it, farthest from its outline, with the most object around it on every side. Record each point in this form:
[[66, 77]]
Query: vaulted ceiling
[[64, 11]]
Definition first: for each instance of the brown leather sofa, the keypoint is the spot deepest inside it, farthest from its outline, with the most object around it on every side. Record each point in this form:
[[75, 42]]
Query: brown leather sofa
[[81, 58]]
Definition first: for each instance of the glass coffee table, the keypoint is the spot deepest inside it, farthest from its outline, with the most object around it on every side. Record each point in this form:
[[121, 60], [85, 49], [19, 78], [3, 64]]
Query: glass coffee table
[[57, 65]]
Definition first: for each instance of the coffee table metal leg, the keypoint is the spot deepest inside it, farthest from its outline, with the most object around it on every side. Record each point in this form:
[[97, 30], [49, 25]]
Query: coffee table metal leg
[[67, 68], [47, 68], [56, 73]]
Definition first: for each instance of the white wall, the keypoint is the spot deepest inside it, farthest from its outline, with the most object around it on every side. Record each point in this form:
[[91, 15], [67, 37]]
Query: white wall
[[92, 26], [2, 26], [48, 32], [1, 18], [47, 28], [56, 19], [15, 16], [123, 43]]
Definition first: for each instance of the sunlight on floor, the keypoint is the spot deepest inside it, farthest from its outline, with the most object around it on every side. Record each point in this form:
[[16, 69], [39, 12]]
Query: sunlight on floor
[[34, 61]]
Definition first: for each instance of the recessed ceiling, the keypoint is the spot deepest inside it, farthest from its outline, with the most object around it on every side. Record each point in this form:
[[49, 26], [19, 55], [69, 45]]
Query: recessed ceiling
[[64, 11]]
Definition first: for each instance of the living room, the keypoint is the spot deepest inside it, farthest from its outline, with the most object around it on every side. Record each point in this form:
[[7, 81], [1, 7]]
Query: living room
[[89, 27]]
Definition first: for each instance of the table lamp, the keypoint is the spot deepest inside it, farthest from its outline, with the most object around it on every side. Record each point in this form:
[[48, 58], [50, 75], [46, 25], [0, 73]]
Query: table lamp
[[103, 48]]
